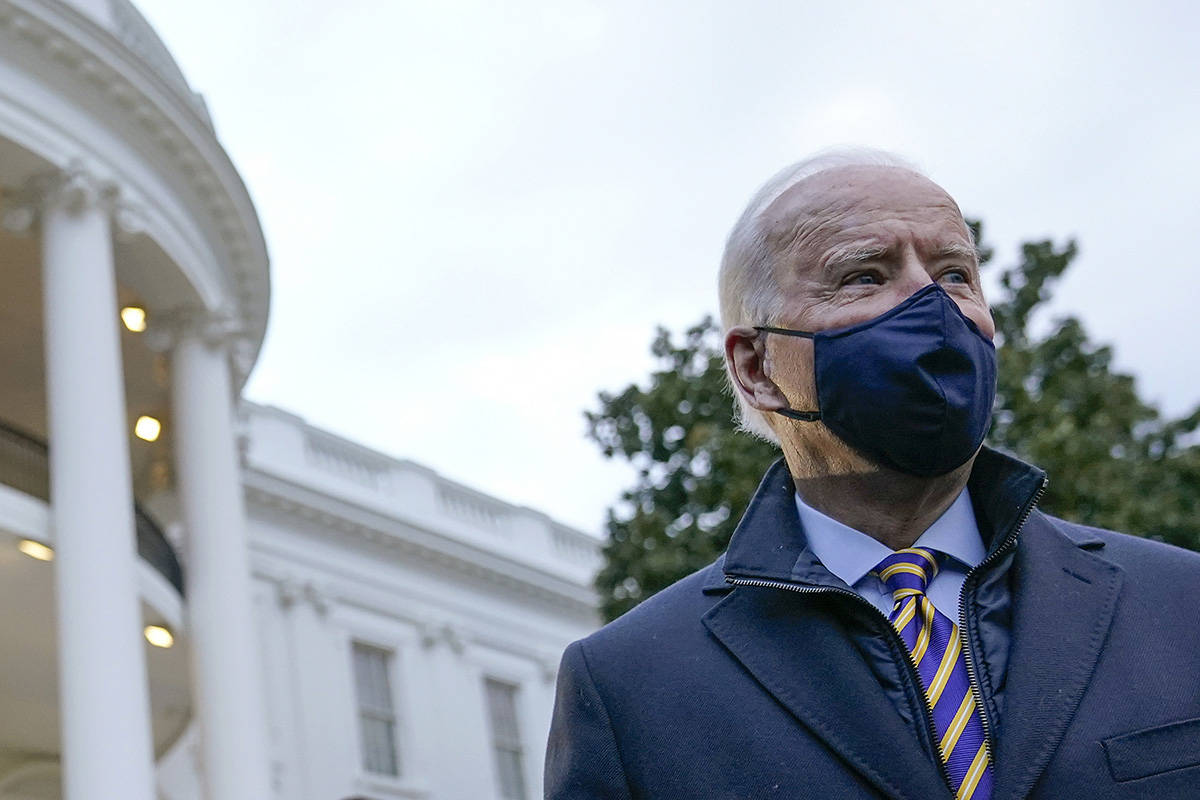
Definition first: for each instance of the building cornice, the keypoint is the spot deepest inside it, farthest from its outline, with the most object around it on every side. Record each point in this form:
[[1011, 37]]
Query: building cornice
[[356, 526], [454, 630], [95, 57]]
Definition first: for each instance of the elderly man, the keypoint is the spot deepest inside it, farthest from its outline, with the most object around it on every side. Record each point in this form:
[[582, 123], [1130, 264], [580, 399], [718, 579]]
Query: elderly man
[[893, 617]]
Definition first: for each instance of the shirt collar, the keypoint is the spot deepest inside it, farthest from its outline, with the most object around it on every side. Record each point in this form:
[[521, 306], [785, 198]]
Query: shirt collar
[[850, 554]]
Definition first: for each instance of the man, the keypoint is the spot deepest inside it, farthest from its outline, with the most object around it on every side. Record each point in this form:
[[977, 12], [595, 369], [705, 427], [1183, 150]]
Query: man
[[893, 617]]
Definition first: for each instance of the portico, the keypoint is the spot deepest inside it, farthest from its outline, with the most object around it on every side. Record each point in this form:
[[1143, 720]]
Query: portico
[[130, 203]]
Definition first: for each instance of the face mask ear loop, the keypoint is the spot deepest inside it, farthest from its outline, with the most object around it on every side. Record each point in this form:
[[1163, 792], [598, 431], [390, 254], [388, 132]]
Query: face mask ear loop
[[806, 416], [784, 331]]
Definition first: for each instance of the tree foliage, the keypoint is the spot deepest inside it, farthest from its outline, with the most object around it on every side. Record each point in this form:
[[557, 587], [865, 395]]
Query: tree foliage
[[1114, 461]]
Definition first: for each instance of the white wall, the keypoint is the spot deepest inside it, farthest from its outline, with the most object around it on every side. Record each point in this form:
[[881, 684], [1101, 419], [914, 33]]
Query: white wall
[[336, 564]]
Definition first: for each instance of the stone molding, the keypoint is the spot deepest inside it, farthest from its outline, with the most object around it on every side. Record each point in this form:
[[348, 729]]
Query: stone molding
[[412, 492], [132, 29], [103, 63], [492, 569], [289, 592], [73, 188], [432, 631], [220, 329], [433, 634]]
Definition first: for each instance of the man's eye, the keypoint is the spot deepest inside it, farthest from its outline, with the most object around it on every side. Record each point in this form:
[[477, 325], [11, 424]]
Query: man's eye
[[955, 276], [862, 279]]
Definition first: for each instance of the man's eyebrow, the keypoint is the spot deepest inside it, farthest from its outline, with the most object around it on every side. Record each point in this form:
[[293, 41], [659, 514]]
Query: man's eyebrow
[[854, 254], [957, 250]]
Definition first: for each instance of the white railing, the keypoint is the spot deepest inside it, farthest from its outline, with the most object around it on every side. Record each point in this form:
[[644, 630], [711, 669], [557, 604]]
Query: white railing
[[573, 546], [284, 444], [334, 456], [470, 507], [133, 31]]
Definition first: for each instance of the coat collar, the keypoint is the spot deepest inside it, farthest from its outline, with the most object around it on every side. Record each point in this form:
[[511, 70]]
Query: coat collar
[[769, 542], [785, 639]]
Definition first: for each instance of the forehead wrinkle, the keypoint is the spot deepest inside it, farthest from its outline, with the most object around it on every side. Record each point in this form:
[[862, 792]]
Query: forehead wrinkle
[[788, 230], [816, 211], [789, 234]]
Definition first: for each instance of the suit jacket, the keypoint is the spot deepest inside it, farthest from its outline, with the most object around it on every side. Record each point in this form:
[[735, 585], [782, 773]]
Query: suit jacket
[[708, 690]]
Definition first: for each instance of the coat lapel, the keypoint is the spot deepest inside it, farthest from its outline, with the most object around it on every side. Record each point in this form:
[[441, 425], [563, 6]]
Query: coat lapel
[[809, 664], [1064, 598], [798, 651]]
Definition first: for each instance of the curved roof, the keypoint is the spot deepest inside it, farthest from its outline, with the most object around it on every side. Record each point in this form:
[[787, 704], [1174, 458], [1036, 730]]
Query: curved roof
[[190, 199], [133, 31]]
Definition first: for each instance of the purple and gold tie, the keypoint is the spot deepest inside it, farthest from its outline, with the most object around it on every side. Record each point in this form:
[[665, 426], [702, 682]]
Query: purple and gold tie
[[936, 646]]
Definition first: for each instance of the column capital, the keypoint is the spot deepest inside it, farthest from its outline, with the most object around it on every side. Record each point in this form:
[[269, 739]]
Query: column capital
[[216, 328], [290, 592], [73, 188], [287, 592], [433, 633]]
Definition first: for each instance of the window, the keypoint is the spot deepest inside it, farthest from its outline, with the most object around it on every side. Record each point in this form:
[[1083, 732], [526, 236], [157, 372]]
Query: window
[[506, 739], [376, 714]]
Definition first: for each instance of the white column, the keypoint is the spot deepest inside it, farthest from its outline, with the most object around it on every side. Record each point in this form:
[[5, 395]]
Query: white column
[[226, 673], [104, 702]]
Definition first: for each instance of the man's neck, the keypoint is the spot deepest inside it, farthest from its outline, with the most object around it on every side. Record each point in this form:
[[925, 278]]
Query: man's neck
[[891, 507]]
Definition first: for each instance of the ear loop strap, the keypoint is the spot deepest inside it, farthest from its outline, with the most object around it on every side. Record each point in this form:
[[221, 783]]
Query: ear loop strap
[[785, 331], [806, 416]]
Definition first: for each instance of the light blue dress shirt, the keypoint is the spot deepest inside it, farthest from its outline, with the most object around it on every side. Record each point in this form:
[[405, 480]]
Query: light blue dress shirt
[[851, 554]]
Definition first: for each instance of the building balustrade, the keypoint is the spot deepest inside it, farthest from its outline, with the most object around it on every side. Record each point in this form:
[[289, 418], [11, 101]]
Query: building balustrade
[[132, 30], [575, 547], [332, 455], [470, 507], [285, 444]]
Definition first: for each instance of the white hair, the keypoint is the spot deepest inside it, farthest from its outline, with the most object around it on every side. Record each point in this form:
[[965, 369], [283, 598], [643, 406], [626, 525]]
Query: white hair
[[749, 290]]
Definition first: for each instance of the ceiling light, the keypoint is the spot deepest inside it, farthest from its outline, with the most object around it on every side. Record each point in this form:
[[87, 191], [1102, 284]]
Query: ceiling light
[[35, 550], [159, 635], [147, 428], [134, 318]]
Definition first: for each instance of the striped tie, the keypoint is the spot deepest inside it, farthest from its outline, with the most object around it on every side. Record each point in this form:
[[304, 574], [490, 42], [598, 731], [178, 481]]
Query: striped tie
[[936, 646]]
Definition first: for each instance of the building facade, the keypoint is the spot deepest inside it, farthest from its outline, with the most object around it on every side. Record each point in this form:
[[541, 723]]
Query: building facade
[[419, 621], [409, 627], [209, 599]]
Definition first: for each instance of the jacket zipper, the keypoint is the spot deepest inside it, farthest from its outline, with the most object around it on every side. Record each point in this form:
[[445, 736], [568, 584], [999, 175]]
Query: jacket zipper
[[972, 674], [912, 664]]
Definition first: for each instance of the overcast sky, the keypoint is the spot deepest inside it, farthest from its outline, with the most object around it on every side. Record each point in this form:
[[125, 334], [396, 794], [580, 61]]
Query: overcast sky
[[477, 212]]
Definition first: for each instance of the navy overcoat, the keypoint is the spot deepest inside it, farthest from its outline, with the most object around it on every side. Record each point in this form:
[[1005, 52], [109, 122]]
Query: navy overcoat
[[708, 690]]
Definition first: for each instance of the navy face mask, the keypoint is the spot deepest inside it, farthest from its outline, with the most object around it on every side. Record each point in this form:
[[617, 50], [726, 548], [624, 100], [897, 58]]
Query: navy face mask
[[912, 388]]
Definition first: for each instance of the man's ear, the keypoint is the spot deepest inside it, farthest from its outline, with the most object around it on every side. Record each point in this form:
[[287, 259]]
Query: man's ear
[[746, 353]]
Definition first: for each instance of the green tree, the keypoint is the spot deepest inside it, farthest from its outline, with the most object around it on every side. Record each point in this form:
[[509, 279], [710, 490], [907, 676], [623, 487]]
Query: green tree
[[1113, 459]]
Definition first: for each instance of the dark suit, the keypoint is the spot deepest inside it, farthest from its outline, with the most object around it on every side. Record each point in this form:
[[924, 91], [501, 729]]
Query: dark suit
[[708, 690]]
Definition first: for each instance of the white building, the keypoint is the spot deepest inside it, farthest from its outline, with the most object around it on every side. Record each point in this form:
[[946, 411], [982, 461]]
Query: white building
[[208, 599]]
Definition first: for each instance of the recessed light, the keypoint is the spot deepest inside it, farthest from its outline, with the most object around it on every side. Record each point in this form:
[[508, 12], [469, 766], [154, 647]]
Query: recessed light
[[147, 428], [159, 635], [36, 550], [134, 318]]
